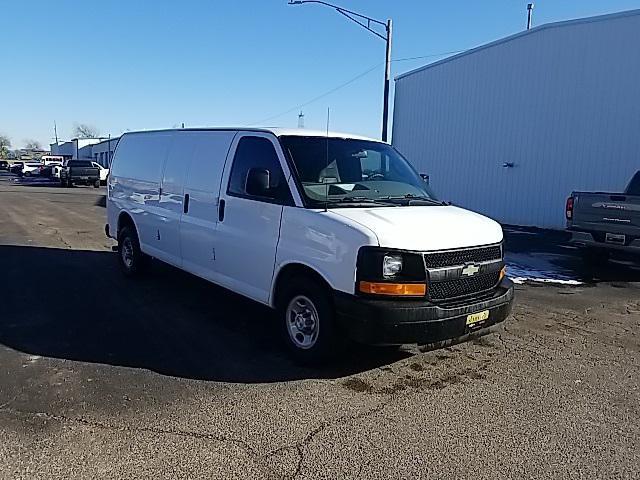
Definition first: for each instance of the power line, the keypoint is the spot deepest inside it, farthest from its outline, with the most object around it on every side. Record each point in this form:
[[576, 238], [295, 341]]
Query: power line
[[349, 82], [329, 92], [428, 56]]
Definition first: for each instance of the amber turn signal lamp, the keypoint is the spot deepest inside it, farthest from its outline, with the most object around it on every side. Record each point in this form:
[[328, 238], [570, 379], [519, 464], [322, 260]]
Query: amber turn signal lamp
[[396, 289], [503, 273]]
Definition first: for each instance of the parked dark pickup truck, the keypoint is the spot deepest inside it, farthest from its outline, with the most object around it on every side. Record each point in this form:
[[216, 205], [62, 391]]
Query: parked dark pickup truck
[[602, 222], [79, 172]]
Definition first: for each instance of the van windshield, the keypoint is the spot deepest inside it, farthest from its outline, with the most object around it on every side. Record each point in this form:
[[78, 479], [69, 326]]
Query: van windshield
[[343, 172]]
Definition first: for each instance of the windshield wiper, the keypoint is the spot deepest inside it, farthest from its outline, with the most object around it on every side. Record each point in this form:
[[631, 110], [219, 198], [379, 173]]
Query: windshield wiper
[[352, 199], [411, 196]]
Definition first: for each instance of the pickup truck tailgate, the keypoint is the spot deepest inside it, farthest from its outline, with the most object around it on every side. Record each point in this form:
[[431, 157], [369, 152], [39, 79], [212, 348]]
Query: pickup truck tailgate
[[90, 172], [607, 212]]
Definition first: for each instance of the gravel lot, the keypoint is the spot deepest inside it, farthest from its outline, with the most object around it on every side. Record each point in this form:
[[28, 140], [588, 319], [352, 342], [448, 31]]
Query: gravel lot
[[172, 377]]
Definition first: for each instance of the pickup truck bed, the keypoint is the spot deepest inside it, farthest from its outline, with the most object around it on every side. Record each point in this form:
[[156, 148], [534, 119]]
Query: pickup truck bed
[[606, 221]]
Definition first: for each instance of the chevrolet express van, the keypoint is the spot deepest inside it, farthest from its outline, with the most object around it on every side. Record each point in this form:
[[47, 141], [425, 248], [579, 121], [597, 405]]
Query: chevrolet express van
[[336, 232]]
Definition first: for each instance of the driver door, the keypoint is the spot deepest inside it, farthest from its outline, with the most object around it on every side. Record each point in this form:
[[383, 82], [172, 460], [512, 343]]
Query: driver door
[[248, 226]]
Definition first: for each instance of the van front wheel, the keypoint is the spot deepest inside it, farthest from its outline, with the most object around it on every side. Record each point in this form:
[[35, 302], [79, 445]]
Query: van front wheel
[[131, 259], [308, 321]]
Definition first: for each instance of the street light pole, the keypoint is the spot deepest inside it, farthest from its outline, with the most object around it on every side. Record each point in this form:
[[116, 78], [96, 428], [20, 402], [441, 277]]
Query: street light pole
[[365, 22], [387, 81]]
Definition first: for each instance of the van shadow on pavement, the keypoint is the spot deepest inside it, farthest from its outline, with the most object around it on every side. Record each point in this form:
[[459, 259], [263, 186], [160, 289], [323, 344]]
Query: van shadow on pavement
[[76, 305]]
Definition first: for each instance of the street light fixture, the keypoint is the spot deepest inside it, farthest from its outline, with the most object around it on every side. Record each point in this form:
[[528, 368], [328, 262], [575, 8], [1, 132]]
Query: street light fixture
[[366, 23]]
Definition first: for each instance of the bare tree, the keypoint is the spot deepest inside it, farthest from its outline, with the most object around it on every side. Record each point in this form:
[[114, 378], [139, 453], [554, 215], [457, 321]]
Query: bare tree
[[82, 130], [5, 144], [31, 144]]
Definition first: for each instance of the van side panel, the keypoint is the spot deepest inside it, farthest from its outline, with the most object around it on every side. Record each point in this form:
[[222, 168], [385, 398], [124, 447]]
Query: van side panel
[[172, 195], [198, 225], [324, 242], [134, 184]]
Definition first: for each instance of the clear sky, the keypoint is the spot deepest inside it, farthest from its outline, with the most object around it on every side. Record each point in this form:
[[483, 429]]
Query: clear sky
[[130, 65]]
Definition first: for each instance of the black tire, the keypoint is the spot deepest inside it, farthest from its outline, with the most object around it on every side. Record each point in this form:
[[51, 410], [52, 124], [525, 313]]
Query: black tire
[[328, 342], [96, 184], [131, 259], [69, 183]]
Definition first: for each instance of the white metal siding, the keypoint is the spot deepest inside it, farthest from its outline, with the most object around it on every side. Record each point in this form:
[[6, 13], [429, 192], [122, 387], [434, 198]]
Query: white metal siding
[[561, 102]]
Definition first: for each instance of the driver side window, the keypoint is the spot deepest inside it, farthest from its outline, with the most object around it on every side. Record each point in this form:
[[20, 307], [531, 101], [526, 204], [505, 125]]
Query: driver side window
[[257, 154]]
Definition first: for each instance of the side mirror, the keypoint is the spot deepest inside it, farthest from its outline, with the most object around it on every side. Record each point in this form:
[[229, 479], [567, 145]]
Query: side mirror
[[258, 182], [425, 178]]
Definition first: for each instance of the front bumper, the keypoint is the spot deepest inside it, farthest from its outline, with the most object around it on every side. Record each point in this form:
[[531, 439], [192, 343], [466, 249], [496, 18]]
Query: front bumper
[[397, 322]]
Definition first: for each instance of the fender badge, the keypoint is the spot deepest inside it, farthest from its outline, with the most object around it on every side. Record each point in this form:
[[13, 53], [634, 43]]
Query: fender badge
[[470, 270]]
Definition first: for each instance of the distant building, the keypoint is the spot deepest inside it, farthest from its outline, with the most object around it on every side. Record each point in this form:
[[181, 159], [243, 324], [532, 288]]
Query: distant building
[[77, 148], [510, 128], [102, 152], [26, 154]]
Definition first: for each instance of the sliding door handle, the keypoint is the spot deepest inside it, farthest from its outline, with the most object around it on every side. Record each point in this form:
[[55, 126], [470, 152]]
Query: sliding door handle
[[221, 210], [186, 203]]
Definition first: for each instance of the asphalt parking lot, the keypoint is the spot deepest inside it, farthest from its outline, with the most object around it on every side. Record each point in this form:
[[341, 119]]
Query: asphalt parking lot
[[172, 377]]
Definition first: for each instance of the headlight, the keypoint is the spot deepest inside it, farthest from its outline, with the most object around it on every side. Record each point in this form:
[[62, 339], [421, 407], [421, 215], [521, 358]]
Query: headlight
[[389, 272], [391, 265]]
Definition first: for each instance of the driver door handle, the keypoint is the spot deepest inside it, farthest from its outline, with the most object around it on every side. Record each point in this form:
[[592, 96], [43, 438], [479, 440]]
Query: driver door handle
[[221, 210]]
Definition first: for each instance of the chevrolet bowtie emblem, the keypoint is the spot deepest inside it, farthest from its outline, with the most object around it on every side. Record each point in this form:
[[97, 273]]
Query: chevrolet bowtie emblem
[[470, 270]]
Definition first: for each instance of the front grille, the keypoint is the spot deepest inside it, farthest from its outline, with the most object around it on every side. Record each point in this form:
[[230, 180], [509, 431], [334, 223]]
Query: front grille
[[454, 258], [463, 286]]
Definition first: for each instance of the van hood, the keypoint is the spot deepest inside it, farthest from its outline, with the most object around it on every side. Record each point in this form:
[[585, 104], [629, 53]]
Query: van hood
[[425, 228]]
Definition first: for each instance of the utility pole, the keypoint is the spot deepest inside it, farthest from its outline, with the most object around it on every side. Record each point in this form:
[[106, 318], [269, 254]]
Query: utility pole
[[301, 120], [55, 131], [529, 13], [366, 23]]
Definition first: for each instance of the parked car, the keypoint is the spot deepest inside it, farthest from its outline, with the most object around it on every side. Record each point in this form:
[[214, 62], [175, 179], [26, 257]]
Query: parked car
[[602, 222], [52, 159], [47, 169], [104, 173], [79, 172], [288, 218], [55, 171], [4, 165], [31, 168], [16, 167]]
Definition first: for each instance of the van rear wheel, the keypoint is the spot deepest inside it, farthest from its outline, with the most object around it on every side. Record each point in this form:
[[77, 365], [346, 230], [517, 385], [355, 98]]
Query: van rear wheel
[[131, 259], [308, 321]]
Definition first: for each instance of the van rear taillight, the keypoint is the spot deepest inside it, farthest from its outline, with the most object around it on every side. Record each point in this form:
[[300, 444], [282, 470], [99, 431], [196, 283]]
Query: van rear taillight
[[569, 209]]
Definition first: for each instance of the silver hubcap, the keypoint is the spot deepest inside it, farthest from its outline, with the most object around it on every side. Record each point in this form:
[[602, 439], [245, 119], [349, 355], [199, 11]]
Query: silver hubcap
[[302, 322], [127, 252]]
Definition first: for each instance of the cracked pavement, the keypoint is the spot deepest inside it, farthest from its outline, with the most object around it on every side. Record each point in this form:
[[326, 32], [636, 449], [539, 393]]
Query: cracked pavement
[[171, 377]]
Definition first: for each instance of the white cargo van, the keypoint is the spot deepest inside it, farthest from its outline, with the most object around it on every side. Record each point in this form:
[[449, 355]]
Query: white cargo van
[[337, 232]]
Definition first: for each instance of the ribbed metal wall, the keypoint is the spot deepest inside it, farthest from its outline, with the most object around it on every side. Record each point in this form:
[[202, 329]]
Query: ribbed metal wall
[[561, 102]]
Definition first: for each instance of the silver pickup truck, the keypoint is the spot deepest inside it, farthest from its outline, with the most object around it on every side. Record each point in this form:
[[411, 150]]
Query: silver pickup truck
[[603, 222]]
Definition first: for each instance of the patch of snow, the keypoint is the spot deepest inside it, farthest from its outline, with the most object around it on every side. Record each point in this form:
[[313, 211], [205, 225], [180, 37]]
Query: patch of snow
[[521, 280], [537, 267]]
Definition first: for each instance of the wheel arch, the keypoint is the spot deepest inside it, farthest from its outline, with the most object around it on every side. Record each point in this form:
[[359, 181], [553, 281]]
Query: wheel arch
[[290, 270], [125, 219]]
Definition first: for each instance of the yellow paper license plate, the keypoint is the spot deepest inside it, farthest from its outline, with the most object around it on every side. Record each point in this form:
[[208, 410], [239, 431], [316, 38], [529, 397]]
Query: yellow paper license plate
[[477, 317]]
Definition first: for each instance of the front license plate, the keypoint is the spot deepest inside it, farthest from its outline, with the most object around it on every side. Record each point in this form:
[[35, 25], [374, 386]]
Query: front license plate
[[477, 317], [84, 178]]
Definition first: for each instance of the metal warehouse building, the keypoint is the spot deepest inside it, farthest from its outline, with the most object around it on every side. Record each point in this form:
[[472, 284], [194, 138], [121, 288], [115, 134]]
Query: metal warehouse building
[[510, 128]]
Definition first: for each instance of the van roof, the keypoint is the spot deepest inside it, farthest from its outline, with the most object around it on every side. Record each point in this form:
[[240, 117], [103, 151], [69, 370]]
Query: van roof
[[278, 132]]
